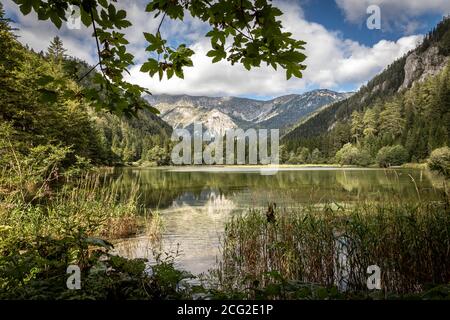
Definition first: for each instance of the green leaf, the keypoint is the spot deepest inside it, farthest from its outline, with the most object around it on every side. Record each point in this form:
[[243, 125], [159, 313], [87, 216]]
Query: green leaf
[[43, 14], [211, 53], [123, 24], [216, 59], [112, 12], [150, 65], [103, 3], [56, 20], [297, 73], [121, 14], [86, 18], [25, 8], [179, 73], [170, 73], [288, 74]]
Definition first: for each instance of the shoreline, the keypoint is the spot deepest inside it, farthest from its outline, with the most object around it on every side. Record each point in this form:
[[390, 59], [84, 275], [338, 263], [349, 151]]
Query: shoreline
[[419, 166]]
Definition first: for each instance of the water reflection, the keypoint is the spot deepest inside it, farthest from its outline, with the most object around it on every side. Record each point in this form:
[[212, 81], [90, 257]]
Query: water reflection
[[193, 226], [194, 203]]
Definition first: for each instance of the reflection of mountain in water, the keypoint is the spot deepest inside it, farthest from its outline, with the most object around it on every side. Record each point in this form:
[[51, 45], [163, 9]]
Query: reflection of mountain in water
[[212, 201], [192, 230], [218, 204]]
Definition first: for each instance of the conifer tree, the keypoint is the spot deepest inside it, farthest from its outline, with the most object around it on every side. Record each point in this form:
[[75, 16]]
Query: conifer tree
[[357, 126], [56, 50]]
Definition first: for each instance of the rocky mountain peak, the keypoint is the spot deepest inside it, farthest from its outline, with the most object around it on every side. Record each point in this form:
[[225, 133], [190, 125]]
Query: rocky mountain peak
[[220, 113], [419, 66]]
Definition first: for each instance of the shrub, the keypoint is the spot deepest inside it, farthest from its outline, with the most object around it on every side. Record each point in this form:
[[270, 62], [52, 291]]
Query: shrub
[[293, 159], [159, 156], [351, 155], [392, 156], [304, 156], [316, 156], [440, 161]]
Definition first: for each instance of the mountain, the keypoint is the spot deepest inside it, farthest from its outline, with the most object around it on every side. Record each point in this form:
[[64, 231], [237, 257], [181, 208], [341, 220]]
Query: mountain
[[409, 91], [221, 113], [288, 111]]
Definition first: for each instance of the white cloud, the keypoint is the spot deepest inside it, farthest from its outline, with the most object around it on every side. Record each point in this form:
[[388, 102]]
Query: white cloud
[[398, 14], [333, 61], [188, 31], [38, 34]]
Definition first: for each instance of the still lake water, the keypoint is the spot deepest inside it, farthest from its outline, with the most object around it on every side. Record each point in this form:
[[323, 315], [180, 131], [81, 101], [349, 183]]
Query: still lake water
[[195, 202]]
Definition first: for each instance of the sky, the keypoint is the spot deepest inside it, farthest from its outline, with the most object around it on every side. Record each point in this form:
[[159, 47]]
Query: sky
[[342, 52]]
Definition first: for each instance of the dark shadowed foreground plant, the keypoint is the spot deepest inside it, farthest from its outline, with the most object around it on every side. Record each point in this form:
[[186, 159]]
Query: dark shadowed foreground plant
[[300, 254], [39, 272]]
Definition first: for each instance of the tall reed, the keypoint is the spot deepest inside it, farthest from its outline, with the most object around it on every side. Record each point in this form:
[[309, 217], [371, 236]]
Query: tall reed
[[409, 242]]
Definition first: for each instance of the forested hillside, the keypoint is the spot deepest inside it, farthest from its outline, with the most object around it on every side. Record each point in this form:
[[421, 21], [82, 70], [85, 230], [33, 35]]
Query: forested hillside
[[43, 104], [407, 107]]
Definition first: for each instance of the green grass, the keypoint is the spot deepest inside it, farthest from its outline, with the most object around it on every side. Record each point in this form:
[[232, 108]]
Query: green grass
[[81, 205]]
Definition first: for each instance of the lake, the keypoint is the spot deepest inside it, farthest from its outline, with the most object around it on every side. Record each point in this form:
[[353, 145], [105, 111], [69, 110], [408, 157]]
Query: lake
[[194, 203]]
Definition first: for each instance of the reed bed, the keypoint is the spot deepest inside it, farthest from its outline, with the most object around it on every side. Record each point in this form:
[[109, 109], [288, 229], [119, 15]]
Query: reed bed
[[85, 205], [325, 245]]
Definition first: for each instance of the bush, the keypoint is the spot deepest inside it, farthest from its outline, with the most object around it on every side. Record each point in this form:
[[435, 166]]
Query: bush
[[40, 273], [316, 156], [440, 161], [159, 156], [350, 155], [392, 156], [304, 156], [293, 159]]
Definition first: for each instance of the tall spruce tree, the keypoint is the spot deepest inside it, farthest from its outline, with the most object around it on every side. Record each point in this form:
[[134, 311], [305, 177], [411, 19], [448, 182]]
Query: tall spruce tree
[[56, 50]]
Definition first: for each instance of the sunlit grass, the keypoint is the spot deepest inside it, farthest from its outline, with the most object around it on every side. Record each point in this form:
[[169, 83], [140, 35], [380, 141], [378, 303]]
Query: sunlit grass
[[84, 204]]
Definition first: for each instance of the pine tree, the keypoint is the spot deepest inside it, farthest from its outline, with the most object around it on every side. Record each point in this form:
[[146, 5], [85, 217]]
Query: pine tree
[[56, 50], [357, 126], [370, 123], [391, 121]]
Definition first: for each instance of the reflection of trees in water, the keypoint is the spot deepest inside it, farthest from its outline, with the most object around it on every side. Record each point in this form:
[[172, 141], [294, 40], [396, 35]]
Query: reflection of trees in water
[[385, 184], [162, 188]]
